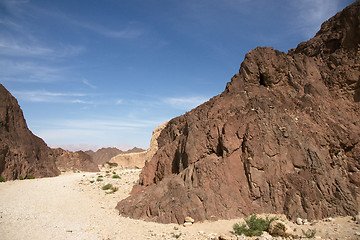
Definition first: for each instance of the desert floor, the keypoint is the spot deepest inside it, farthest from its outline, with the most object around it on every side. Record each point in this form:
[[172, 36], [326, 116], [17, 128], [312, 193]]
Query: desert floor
[[73, 206]]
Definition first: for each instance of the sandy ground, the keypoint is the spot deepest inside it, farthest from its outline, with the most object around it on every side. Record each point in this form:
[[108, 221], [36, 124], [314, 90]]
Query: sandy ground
[[73, 206]]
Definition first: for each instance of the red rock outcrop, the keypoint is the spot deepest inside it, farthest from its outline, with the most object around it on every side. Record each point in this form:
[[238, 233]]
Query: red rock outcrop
[[21, 152], [282, 138], [74, 161]]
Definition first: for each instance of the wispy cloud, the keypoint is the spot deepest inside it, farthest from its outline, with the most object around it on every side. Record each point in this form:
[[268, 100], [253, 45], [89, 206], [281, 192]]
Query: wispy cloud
[[19, 48], [119, 101], [87, 83], [185, 103], [26, 71], [51, 97], [312, 13]]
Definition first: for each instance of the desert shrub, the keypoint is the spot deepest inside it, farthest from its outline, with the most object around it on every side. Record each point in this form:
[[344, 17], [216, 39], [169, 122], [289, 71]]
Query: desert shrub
[[115, 176], [279, 230], [21, 177], [2, 179], [92, 181], [99, 179], [30, 176], [114, 172], [100, 176], [110, 187], [112, 164], [176, 235], [310, 233], [254, 226], [107, 171], [107, 186]]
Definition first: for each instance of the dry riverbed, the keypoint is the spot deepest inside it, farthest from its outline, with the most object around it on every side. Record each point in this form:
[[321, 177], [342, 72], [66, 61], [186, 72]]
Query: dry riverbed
[[74, 206]]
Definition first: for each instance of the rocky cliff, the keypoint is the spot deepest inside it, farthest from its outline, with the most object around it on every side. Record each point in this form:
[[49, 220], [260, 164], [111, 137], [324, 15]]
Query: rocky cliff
[[21, 152], [282, 138], [138, 159]]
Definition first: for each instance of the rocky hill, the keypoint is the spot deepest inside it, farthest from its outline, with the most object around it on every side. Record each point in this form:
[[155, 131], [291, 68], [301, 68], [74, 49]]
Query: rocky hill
[[104, 155], [21, 152], [282, 138], [138, 159], [74, 161]]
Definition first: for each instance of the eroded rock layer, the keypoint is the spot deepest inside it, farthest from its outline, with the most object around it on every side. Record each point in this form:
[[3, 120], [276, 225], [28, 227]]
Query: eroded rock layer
[[282, 138]]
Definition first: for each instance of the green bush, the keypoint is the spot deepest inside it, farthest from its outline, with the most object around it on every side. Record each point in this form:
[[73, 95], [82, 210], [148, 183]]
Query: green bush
[[114, 172], [279, 230], [30, 176], [21, 177], [309, 233], [115, 176], [107, 186], [2, 179], [91, 181], [254, 226], [99, 179], [107, 171]]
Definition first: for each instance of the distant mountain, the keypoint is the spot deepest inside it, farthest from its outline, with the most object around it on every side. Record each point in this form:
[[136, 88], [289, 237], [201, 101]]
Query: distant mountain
[[104, 155], [21, 152], [73, 161], [284, 137]]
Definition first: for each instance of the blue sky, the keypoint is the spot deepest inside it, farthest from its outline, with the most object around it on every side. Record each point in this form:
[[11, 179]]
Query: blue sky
[[107, 73]]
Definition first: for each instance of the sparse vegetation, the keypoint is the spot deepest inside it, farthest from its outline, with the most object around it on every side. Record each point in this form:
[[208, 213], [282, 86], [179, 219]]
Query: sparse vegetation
[[99, 179], [2, 179], [100, 176], [30, 176], [310, 233], [114, 172], [115, 176], [21, 177], [176, 235], [92, 181], [254, 226], [107, 171], [112, 164], [279, 230], [109, 186]]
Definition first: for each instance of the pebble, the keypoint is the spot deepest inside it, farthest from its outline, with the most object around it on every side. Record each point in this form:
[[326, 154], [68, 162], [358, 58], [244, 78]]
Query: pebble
[[299, 221], [189, 219], [187, 224]]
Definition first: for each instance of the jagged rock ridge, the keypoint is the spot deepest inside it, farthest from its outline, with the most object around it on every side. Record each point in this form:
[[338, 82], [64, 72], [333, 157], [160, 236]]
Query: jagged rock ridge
[[282, 138], [21, 152]]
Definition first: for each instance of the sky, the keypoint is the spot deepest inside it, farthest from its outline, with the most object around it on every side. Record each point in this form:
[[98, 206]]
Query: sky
[[98, 73]]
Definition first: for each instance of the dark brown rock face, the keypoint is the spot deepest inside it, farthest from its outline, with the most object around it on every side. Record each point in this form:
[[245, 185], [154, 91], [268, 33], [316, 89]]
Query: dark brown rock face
[[282, 138], [66, 160], [21, 152]]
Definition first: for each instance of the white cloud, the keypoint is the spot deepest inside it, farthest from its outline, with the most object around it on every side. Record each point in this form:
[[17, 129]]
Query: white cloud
[[54, 97], [87, 83], [119, 101], [185, 103], [27, 71], [312, 13]]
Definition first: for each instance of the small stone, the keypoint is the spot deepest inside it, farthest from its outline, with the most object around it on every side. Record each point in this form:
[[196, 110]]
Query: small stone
[[189, 219], [187, 224], [305, 222], [299, 221], [224, 237]]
